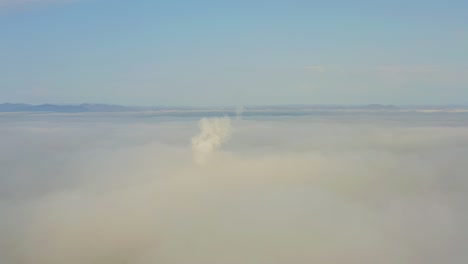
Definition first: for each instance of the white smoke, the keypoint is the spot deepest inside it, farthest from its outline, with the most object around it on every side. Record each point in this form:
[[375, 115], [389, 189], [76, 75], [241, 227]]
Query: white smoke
[[239, 112], [213, 133]]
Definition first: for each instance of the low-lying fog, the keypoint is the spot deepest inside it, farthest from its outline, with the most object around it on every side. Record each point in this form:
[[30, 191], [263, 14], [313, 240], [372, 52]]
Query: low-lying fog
[[277, 190]]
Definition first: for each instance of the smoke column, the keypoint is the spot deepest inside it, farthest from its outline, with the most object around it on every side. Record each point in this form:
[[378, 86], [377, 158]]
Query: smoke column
[[213, 133], [239, 112]]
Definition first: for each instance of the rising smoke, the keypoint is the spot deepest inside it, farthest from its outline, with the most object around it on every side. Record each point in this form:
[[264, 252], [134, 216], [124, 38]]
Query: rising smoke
[[239, 111], [295, 190], [213, 133]]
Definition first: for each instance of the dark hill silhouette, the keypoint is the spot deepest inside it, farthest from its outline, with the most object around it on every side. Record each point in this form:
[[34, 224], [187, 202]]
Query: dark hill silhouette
[[9, 107]]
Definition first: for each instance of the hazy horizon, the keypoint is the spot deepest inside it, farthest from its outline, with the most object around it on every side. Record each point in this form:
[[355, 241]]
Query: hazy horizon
[[239, 105]]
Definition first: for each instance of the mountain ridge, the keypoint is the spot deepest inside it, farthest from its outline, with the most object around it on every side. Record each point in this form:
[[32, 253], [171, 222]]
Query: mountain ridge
[[107, 108]]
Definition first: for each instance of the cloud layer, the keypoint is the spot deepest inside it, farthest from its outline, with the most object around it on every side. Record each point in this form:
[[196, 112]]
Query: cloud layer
[[297, 190]]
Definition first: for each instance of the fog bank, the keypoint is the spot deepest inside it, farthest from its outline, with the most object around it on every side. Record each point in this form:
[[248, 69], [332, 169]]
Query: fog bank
[[289, 190]]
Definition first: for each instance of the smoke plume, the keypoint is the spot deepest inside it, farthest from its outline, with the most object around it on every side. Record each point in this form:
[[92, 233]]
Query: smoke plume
[[239, 112], [213, 133]]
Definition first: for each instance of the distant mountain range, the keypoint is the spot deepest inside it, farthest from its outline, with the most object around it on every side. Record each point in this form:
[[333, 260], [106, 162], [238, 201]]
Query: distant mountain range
[[8, 107], [100, 108]]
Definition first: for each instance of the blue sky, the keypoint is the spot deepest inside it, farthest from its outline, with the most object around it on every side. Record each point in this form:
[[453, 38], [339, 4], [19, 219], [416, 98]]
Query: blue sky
[[145, 52]]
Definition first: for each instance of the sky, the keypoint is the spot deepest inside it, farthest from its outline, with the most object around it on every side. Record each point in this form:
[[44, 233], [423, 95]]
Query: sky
[[213, 53]]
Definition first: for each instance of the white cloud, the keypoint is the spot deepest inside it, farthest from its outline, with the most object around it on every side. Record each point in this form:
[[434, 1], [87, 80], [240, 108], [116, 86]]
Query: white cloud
[[336, 189], [428, 74]]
